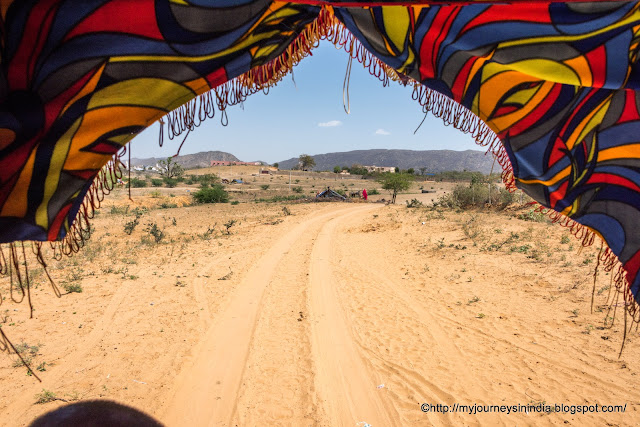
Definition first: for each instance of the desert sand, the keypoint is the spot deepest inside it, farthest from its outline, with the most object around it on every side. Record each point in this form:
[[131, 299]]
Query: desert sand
[[337, 314]]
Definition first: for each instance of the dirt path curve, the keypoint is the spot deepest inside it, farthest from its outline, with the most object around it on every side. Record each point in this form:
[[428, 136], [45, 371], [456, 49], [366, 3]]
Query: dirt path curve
[[347, 388], [206, 392]]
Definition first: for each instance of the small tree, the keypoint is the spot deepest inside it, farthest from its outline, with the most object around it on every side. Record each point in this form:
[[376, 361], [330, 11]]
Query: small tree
[[357, 169], [395, 183], [411, 171], [170, 169], [276, 165], [336, 169], [306, 162]]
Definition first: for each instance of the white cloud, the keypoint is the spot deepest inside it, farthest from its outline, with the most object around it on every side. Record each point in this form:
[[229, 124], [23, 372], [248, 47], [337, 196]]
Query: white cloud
[[329, 124], [382, 132]]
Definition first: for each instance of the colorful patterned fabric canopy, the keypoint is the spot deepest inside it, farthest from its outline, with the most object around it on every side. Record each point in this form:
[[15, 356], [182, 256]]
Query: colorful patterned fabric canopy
[[549, 87]]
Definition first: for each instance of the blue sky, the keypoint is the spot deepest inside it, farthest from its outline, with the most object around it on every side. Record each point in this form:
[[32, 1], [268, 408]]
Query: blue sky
[[309, 117]]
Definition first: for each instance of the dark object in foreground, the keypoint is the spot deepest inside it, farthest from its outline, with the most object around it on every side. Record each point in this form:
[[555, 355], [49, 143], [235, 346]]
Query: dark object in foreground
[[96, 413]]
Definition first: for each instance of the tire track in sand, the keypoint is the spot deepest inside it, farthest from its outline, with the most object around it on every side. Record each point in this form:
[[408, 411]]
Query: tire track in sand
[[346, 386], [206, 392]]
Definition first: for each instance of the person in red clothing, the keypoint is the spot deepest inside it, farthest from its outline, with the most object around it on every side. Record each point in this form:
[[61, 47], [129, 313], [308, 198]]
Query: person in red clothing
[[364, 194]]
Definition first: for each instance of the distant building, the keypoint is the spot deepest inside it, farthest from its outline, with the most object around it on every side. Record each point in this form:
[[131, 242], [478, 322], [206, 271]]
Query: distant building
[[380, 169], [144, 168], [225, 163]]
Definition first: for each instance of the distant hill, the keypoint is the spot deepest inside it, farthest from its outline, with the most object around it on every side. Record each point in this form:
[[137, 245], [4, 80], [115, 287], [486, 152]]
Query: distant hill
[[433, 160], [190, 161]]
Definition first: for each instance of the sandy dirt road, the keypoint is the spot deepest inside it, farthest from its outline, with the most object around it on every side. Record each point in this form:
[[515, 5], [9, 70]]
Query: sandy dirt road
[[346, 386], [323, 331], [207, 392]]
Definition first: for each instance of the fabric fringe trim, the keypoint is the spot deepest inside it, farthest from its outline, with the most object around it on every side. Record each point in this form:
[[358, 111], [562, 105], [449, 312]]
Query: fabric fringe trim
[[8, 347], [80, 230], [262, 78], [15, 265], [15, 262], [606, 260], [454, 114]]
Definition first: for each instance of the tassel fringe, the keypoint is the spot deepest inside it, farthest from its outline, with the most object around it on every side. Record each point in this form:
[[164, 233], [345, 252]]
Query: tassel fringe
[[80, 230], [8, 347], [325, 27], [14, 264], [607, 260], [461, 118], [14, 261]]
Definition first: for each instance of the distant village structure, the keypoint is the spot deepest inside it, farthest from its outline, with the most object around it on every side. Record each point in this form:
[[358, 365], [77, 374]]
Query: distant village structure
[[158, 169], [225, 163], [155, 168], [380, 169]]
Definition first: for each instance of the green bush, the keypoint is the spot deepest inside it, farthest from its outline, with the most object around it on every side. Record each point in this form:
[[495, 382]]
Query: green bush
[[138, 183], [204, 180], [414, 203], [45, 397], [297, 189], [131, 225], [123, 210], [358, 170], [170, 182], [156, 182], [215, 194], [165, 205], [155, 231], [72, 287], [461, 176], [534, 216], [476, 195], [230, 224], [373, 192]]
